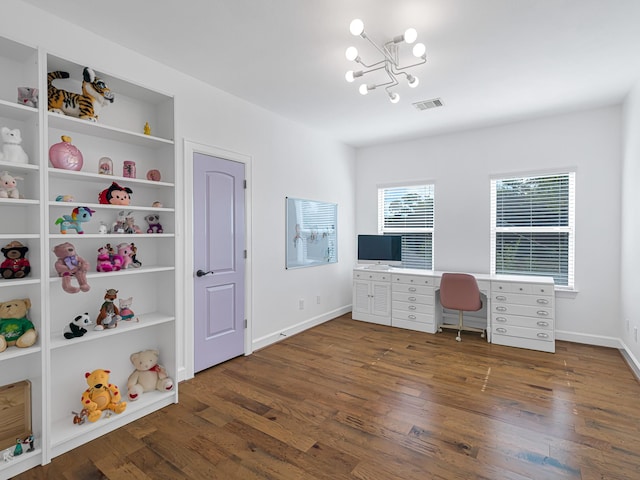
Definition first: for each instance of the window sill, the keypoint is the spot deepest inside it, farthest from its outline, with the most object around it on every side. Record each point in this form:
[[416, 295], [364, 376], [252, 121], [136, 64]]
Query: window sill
[[566, 292]]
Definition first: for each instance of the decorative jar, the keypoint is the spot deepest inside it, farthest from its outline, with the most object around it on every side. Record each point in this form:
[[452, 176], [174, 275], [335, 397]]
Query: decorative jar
[[66, 156]]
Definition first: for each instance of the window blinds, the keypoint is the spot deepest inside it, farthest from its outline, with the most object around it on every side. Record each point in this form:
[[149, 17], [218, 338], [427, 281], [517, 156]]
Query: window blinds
[[532, 226], [408, 210]]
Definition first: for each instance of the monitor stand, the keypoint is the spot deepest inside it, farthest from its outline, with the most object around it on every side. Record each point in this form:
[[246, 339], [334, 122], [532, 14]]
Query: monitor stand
[[379, 267]]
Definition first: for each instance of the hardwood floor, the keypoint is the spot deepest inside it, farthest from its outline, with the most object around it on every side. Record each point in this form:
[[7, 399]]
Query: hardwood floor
[[352, 400]]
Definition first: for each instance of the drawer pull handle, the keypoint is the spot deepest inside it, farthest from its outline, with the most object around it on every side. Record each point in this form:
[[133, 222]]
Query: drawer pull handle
[[521, 289], [412, 289], [543, 301], [413, 307], [501, 309], [412, 317], [542, 313], [501, 319], [501, 330], [543, 335], [412, 299], [502, 298], [542, 323]]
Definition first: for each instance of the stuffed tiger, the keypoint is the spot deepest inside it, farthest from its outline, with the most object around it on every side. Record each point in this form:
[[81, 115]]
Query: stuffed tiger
[[95, 94]]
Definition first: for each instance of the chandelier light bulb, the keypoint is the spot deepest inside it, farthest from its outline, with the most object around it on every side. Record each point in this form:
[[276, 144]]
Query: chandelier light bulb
[[356, 27], [352, 53], [419, 50], [363, 89], [394, 97], [349, 76], [413, 81], [410, 35]]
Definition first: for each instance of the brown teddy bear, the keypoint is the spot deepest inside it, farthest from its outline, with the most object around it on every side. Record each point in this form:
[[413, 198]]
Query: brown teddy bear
[[15, 328], [148, 375], [101, 395], [15, 264], [70, 264]]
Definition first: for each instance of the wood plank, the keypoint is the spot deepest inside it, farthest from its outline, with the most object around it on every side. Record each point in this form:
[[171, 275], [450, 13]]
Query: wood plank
[[352, 400]]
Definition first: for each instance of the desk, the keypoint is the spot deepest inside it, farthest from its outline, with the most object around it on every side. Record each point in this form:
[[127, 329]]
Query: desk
[[518, 311]]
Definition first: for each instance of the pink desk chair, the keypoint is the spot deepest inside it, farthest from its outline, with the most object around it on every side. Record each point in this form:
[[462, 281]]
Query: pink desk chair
[[459, 291]]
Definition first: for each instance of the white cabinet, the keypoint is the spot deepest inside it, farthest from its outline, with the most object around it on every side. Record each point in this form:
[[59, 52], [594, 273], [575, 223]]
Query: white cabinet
[[413, 304], [523, 315], [55, 366], [372, 297], [519, 311]]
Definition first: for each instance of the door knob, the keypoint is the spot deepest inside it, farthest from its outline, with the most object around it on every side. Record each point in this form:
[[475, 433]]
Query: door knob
[[202, 273]]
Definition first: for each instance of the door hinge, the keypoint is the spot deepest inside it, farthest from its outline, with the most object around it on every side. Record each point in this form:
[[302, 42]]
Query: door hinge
[[245, 254], [245, 323], [245, 184]]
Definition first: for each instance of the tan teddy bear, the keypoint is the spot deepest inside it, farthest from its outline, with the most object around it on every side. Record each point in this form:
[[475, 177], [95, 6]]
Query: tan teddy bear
[[148, 375], [15, 328]]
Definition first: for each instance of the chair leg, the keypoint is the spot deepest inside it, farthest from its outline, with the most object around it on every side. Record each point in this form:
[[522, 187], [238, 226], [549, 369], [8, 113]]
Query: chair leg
[[459, 337]]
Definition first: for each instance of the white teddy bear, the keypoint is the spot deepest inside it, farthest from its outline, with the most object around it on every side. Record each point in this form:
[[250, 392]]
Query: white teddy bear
[[8, 185], [12, 151], [148, 375]]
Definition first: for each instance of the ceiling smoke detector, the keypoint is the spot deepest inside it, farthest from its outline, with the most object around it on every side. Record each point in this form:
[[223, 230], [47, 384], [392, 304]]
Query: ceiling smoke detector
[[427, 104]]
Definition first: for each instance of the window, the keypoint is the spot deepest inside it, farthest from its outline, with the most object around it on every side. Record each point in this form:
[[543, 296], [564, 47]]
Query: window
[[408, 210], [532, 226]]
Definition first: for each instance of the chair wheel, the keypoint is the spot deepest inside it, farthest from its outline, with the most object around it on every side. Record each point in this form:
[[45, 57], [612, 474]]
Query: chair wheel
[[458, 339]]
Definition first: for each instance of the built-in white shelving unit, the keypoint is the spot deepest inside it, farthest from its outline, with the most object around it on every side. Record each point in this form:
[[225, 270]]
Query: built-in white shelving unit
[[55, 366]]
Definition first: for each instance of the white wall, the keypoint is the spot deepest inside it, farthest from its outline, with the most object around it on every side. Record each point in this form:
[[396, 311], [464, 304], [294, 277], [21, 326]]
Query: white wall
[[287, 159], [461, 164], [630, 266]]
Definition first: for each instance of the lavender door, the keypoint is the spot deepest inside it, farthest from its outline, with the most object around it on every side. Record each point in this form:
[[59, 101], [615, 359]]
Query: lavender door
[[219, 259]]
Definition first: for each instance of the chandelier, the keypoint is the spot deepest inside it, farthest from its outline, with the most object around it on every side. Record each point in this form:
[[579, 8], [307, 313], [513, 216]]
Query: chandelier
[[390, 62]]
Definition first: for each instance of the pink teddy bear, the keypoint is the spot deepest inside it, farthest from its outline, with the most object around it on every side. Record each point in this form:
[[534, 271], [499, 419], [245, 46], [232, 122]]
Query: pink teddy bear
[[69, 264]]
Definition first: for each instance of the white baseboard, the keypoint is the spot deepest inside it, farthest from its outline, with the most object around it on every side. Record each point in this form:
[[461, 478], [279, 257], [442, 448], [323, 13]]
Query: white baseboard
[[588, 339], [633, 362], [272, 338]]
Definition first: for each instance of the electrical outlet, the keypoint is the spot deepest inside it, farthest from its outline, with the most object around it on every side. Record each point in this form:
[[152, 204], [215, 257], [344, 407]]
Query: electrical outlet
[[318, 299], [301, 303]]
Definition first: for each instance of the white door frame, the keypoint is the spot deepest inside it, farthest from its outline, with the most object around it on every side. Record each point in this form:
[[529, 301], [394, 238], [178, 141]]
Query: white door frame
[[186, 357]]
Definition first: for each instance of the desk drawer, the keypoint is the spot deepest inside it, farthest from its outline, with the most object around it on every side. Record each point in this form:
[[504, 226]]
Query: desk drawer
[[401, 288], [516, 321], [373, 276], [411, 307], [521, 299], [523, 310], [517, 287], [411, 316], [413, 280], [413, 298], [522, 332]]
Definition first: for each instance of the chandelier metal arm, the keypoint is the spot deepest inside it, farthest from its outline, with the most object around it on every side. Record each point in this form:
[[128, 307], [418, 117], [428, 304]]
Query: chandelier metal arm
[[424, 60]]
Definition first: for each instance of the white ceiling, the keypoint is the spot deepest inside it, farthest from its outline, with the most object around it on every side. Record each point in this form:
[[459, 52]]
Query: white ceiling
[[491, 61]]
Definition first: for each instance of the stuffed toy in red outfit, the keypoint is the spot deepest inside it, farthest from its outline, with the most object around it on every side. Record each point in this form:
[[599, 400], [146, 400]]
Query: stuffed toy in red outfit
[[15, 264]]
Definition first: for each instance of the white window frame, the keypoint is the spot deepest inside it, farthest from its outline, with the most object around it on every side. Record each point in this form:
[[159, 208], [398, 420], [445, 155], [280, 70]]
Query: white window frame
[[569, 229], [429, 187]]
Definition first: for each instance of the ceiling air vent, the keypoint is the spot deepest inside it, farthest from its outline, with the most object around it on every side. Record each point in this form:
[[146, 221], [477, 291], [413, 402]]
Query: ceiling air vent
[[426, 104]]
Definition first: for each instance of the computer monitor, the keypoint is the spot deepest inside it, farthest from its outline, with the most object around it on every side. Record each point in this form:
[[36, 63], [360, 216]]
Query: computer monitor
[[380, 249]]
